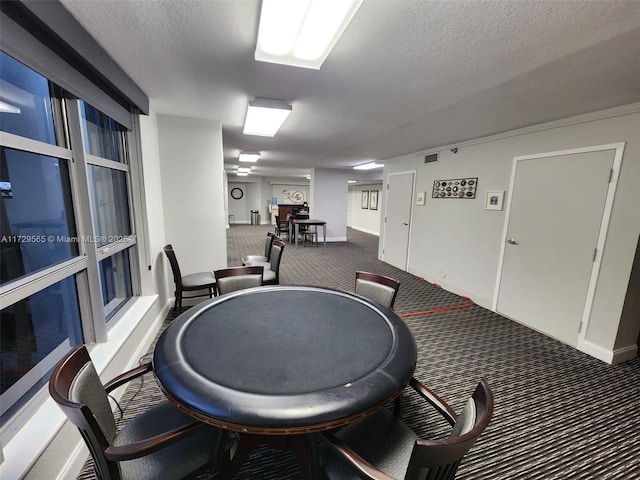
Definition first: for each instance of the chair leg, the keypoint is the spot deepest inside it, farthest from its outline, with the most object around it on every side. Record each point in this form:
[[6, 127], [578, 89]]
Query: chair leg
[[175, 302]]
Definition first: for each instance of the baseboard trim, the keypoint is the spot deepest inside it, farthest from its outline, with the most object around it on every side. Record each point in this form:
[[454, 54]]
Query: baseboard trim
[[611, 357], [371, 232]]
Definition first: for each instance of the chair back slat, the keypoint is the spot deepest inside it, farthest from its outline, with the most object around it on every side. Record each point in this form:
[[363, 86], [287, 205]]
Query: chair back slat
[[377, 287], [73, 382], [173, 261], [267, 245], [441, 457], [238, 278]]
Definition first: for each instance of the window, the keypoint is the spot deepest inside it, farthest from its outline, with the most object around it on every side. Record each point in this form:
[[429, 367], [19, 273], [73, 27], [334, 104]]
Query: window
[[67, 241], [111, 220], [37, 213], [106, 155], [36, 332], [25, 102]]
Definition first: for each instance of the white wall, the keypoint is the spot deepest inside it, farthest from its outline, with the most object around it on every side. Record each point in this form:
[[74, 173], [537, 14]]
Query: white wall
[[456, 243], [364, 219], [239, 208], [154, 208], [191, 161], [328, 200], [258, 195]]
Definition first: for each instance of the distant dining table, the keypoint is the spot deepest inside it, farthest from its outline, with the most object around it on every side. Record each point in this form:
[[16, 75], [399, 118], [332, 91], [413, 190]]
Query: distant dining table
[[243, 362], [308, 222]]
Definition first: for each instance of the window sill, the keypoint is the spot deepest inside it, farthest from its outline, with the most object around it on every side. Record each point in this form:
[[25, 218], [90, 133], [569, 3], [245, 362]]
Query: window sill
[[28, 443]]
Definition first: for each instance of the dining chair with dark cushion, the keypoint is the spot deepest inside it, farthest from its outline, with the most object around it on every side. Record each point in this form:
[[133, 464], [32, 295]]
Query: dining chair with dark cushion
[[238, 278], [162, 442], [271, 275], [282, 227], [382, 447], [377, 287], [267, 251], [188, 283]]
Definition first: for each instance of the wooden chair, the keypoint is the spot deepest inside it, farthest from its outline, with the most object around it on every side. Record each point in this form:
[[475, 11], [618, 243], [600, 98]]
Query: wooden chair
[[382, 447], [188, 283], [238, 278], [267, 251], [311, 235], [161, 442], [271, 275], [377, 287], [282, 227]]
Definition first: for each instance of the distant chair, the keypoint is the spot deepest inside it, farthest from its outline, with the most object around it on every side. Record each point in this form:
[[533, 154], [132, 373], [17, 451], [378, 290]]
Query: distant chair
[[161, 442], [311, 235], [382, 447], [188, 283], [267, 251], [238, 278], [271, 274], [377, 287], [282, 227]]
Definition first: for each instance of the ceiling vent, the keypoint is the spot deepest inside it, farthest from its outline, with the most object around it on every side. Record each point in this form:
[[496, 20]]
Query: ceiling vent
[[433, 158]]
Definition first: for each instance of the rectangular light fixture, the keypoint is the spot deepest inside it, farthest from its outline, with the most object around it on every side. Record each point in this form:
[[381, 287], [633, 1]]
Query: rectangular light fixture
[[249, 156], [368, 166], [301, 33], [265, 116], [244, 169], [242, 174]]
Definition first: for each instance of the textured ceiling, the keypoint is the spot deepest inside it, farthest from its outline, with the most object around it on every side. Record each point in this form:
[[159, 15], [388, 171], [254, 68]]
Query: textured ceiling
[[405, 76]]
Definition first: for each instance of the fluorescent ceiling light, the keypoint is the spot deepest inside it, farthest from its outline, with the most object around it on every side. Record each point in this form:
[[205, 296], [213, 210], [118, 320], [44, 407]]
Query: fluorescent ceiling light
[[242, 174], [301, 33], [265, 116], [249, 156], [368, 166], [8, 108], [244, 169]]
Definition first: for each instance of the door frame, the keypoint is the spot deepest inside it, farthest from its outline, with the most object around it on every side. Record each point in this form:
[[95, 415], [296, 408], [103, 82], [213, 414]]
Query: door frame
[[384, 220], [618, 147]]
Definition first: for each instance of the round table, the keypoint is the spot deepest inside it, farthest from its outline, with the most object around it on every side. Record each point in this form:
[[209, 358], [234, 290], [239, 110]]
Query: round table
[[283, 360]]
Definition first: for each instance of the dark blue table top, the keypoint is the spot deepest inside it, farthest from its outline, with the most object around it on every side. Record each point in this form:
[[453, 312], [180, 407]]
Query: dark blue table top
[[283, 358]]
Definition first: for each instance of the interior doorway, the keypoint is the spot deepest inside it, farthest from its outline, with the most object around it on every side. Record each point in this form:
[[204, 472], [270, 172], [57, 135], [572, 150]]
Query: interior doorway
[[555, 228], [397, 223]]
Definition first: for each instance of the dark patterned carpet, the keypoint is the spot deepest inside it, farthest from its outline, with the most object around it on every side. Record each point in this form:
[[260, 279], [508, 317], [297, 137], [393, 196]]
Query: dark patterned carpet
[[559, 414]]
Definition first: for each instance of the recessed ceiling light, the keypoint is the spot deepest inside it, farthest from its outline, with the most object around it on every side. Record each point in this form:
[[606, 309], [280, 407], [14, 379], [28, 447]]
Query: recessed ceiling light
[[301, 33], [244, 169], [265, 116], [249, 156], [368, 166], [242, 174]]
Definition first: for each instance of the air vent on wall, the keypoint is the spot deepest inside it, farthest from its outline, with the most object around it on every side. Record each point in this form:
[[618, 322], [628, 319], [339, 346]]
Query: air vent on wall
[[433, 158]]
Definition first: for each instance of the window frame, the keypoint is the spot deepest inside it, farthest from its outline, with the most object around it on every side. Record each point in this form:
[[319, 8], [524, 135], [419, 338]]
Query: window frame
[[84, 267]]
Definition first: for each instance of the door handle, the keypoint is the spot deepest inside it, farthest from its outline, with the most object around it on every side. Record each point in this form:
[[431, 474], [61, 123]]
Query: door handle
[[512, 241]]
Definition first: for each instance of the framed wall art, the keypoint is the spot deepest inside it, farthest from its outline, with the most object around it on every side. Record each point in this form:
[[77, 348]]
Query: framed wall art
[[365, 199], [494, 200], [455, 188], [373, 200]]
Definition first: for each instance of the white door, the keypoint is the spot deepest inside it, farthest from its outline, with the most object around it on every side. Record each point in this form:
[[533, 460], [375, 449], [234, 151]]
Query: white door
[[398, 219], [553, 226]]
